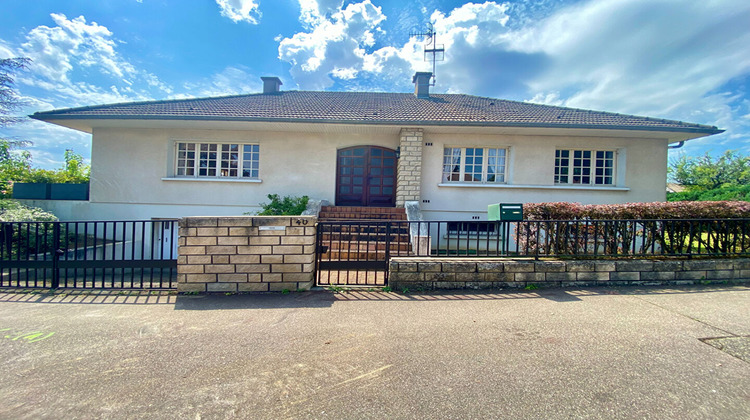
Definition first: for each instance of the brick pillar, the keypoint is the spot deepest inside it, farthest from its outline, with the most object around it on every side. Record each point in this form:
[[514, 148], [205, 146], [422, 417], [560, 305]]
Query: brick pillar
[[246, 254], [409, 177]]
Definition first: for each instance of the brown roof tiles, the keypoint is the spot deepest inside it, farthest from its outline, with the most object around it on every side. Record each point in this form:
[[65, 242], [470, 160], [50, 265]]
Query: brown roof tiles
[[373, 108]]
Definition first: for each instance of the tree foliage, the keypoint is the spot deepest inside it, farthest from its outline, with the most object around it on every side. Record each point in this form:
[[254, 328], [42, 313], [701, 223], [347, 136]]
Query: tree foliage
[[636, 211], [15, 166], [706, 173], [286, 206], [13, 211], [9, 99]]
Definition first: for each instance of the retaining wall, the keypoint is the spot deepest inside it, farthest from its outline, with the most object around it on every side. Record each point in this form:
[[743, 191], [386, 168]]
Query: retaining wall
[[485, 273], [246, 254]]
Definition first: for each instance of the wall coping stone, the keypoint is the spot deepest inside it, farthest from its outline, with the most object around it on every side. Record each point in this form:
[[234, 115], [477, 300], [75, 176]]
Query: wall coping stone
[[456, 273]]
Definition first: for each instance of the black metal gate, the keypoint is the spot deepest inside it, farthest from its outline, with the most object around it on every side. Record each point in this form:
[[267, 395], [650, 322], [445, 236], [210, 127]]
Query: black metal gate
[[138, 254], [356, 253]]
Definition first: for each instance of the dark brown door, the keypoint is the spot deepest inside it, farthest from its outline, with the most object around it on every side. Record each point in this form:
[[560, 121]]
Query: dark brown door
[[366, 176]]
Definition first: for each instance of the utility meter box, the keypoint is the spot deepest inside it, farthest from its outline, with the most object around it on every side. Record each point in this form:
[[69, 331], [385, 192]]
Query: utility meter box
[[505, 212]]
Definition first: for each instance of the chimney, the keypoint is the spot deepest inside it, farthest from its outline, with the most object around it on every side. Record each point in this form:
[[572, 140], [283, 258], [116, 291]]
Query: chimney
[[271, 84], [421, 82]]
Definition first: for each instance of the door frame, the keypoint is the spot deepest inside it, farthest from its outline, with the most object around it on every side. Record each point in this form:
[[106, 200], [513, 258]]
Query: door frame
[[366, 199]]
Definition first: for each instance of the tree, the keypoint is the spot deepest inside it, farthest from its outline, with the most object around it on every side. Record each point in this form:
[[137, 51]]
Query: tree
[[706, 173], [12, 165], [9, 99]]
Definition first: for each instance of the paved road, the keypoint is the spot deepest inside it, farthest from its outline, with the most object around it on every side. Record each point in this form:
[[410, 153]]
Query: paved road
[[594, 353]]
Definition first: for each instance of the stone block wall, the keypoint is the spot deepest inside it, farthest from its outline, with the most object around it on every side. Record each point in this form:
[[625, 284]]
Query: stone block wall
[[246, 254], [485, 273], [409, 176]]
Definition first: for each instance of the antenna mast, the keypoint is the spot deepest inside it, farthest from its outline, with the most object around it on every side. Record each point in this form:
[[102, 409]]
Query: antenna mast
[[432, 50]]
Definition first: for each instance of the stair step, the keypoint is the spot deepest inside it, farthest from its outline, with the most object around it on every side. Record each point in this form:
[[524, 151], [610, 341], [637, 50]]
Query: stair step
[[340, 213], [360, 237], [367, 246], [365, 229], [343, 255], [360, 216], [350, 209]]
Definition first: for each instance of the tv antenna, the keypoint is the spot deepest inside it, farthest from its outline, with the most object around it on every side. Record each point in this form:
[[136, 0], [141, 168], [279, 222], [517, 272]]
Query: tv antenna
[[432, 50]]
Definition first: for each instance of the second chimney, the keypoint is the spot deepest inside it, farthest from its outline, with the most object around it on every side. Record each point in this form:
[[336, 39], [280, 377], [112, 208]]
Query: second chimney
[[421, 82], [271, 84]]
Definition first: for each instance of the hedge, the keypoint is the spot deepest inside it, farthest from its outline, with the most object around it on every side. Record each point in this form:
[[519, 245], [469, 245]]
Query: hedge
[[634, 228], [638, 211]]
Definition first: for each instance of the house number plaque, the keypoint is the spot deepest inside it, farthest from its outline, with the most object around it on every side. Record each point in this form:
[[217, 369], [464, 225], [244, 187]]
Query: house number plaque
[[271, 227]]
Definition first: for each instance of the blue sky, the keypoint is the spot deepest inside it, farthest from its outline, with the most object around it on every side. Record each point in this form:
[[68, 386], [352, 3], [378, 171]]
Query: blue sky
[[686, 60]]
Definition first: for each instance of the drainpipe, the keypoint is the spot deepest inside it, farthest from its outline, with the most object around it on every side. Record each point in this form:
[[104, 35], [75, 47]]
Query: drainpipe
[[677, 146]]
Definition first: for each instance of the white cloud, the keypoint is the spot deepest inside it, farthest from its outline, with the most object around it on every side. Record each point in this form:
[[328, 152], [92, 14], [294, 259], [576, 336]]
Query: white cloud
[[240, 10], [640, 55], [233, 80], [61, 53], [55, 50], [74, 63], [338, 39], [344, 39], [648, 57]]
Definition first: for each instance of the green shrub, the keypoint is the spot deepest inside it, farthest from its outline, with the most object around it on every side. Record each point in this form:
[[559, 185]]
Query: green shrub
[[630, 211], [286, 206], [13, 211], [726, 193]]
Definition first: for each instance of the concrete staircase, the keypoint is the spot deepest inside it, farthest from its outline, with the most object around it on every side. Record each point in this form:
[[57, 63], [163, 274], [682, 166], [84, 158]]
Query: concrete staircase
[[362, 236]]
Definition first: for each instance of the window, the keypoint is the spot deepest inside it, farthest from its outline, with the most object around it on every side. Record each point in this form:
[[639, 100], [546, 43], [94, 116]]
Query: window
[[229, 160], [474, 164], [584, 167], [483, 228]]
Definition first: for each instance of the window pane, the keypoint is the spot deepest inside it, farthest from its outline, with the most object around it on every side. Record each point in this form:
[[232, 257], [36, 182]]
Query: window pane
[[451, 164], [185, 159], [473, 164]]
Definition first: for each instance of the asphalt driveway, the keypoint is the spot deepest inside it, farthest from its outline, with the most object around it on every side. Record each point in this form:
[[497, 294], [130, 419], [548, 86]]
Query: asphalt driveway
[[593, 353]]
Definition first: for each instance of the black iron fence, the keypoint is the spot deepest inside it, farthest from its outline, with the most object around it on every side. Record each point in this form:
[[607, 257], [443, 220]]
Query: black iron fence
[[91, 254], [583, 238], [357, 252]]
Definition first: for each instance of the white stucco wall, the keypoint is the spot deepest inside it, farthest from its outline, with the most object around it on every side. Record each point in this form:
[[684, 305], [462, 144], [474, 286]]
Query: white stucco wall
[[136, 166], [641, 166], [132, 171]]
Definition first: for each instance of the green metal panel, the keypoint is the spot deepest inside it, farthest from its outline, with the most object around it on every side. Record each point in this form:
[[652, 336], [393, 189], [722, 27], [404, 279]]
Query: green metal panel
[[511, 212], [505, 212], [493, 212]]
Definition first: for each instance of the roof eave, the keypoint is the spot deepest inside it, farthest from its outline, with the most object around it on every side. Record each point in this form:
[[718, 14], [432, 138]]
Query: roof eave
[[50, 117]]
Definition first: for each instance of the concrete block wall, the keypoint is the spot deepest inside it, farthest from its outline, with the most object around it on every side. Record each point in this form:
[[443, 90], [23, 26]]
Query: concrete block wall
[[485, 273], [409, 176], [246, 254]]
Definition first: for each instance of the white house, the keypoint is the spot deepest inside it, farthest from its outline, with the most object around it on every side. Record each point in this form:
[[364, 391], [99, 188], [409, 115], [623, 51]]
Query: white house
[[452, 153]]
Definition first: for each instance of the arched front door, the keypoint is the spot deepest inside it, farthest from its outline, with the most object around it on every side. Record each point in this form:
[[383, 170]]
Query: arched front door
[[366, 176]]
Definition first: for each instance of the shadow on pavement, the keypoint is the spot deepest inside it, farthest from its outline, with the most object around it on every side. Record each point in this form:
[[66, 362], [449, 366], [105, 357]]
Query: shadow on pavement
[[325, 298], [89, 297], [315, 299], [554, 294]]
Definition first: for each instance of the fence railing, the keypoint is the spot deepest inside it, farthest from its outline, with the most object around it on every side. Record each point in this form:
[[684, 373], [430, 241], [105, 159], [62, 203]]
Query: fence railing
[[91, 254], [547, 238]]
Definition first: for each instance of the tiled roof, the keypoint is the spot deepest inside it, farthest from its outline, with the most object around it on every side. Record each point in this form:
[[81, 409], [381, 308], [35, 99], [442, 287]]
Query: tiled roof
[[373, 108]]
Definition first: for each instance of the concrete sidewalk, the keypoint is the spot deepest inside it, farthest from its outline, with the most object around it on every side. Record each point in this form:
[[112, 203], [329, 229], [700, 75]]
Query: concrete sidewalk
[[593, 353]]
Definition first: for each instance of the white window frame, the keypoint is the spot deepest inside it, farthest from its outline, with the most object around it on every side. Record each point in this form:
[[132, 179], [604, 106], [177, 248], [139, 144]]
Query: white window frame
[[221, 164], [592, 167], [464, 162]]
